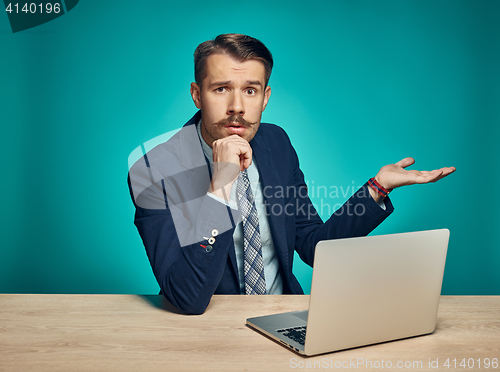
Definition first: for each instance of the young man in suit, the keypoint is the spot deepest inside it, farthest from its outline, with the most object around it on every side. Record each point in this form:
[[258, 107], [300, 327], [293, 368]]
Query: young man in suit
[[222, 206]]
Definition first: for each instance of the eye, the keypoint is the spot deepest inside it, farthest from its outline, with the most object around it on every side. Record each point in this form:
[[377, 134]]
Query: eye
[[251, 91], [220, 89]]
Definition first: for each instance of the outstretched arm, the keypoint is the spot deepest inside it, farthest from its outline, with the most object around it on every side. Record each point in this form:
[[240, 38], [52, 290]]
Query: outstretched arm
[[394, 175]]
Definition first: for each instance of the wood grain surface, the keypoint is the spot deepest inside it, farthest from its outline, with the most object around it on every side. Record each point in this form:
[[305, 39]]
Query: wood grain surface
[[41, 332]]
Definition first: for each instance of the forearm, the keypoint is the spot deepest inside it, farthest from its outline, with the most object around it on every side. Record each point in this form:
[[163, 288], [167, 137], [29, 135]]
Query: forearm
[[187, 267], [193, 277]]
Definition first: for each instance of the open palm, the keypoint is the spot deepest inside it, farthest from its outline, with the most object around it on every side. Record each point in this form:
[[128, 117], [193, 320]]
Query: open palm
[[395, 175]]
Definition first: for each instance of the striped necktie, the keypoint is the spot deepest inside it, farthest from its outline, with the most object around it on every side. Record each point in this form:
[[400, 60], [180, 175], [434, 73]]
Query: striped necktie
[[255, 282]]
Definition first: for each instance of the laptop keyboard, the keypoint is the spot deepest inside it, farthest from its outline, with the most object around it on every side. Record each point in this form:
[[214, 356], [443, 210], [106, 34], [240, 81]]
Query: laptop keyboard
[[297, 334]]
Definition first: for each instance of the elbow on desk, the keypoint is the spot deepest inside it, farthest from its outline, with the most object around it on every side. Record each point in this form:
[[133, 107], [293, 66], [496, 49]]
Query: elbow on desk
[[194, 309], [188, 306], [189, 309]]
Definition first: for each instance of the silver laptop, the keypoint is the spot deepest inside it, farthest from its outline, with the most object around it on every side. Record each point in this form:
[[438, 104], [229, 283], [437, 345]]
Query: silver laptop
[[365, 291]]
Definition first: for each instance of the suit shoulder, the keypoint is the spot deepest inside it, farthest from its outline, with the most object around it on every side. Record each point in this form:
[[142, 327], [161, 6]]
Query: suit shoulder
[[273, 131], [268, 127]]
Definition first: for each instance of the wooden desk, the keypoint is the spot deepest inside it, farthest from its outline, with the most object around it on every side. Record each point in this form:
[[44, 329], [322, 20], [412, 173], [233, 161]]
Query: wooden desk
[[140, 333]]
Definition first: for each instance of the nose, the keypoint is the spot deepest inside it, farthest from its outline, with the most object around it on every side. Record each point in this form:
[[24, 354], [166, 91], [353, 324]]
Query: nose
[[236, 105]]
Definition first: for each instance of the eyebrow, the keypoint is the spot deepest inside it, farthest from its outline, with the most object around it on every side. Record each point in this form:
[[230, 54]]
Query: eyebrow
[[254, 82], [228, 82], [216, 83]]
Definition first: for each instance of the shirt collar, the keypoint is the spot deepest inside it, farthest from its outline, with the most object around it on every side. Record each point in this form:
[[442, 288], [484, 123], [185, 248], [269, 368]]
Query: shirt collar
[[207, 150]]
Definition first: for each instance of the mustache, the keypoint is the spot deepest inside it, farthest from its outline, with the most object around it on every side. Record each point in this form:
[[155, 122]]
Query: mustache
[[235, 119]]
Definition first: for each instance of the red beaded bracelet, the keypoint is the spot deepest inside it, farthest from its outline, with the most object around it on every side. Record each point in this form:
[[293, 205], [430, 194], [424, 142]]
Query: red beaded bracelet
[[372, 182]]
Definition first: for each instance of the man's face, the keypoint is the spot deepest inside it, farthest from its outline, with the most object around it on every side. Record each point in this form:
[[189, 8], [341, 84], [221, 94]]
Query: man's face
[[232, 98]]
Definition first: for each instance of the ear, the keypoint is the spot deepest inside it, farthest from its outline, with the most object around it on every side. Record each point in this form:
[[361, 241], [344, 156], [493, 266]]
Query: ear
[[196, 95], [267, 94]]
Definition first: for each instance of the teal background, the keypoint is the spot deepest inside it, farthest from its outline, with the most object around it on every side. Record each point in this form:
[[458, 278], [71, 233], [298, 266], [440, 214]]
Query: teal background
[[357, 85]]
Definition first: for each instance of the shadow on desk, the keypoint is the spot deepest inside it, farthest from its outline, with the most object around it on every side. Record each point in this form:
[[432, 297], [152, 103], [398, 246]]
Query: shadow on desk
[[160, 302]]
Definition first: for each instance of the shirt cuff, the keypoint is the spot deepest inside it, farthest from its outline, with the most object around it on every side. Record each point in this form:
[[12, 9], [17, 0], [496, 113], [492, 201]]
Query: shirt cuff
[[381, 203], [231, 204]]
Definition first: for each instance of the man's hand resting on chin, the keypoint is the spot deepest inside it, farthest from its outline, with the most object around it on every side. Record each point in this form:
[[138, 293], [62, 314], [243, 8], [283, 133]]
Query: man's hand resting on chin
[[230, 155]]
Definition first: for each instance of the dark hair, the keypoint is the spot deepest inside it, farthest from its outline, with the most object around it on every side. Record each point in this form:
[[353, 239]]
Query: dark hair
[[238, 46]]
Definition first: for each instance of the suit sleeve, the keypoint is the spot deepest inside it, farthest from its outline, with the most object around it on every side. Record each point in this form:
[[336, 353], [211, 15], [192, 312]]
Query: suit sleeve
[[173, 228]]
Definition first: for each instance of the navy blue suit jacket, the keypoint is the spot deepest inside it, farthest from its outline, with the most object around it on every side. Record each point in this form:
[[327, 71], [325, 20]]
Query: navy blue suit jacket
[[174, 215]]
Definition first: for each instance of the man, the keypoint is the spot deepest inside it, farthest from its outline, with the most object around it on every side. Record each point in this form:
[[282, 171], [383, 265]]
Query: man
[[224, 167]]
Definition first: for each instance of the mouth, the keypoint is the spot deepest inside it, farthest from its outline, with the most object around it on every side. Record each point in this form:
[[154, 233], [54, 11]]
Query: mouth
[[234, 125], [235, 128]]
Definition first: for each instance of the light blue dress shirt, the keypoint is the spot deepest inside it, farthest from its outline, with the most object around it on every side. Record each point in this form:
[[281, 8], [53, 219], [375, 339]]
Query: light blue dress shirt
[[274, 282]]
